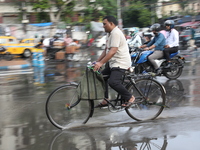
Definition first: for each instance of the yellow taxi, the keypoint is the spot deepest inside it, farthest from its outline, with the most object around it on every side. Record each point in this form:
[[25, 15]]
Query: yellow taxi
[[24, 48]]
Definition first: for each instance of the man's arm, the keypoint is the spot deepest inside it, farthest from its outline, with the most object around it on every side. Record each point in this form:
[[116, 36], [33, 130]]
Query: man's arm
[[106, 58], [149, 44], [103, 54], [158, 40]]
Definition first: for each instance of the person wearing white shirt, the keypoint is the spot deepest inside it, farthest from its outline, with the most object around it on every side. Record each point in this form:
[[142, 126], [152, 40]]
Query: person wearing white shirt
[[135, 41], [117, 60], [172, 41]]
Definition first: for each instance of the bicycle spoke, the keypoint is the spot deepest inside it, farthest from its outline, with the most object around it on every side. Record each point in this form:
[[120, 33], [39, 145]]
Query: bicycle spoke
[[150, 98], [63, 107]]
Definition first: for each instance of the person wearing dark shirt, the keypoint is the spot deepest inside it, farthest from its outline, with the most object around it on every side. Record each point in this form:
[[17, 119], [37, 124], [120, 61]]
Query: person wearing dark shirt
[[192, 39]]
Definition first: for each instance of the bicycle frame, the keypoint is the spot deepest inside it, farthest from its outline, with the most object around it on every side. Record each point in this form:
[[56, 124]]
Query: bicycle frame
[[131, 81], [149, 101]]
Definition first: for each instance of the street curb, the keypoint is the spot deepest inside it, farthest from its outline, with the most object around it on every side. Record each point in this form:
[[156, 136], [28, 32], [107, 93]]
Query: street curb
[[15, 66]]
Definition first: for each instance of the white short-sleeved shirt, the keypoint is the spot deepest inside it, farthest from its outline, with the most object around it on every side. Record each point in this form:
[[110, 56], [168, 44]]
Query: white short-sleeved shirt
[[122, 58]]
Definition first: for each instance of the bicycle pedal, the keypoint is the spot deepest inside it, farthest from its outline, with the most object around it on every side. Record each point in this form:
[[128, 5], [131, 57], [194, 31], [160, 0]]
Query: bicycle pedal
[[105, 107], [116, 109]]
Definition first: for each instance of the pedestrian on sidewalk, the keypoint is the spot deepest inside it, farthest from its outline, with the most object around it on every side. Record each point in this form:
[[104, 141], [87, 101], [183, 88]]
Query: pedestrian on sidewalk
[[71, 49]]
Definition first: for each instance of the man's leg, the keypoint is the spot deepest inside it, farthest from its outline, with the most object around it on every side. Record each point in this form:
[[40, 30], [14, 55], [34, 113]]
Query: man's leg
[[106, 72], [167, 52], [115, 82], [156, 55]]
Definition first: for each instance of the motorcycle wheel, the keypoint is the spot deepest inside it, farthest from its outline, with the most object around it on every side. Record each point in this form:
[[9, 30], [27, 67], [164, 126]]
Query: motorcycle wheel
[[175, 70], [8, 57]]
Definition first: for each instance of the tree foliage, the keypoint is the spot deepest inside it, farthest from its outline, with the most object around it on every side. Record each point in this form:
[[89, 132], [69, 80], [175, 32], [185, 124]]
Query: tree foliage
[[136, 15], [98, 9], [55, 8]]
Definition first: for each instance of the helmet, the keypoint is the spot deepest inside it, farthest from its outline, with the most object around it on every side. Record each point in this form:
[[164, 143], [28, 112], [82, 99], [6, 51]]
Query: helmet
[[133, 31], [169, 23], [149, 34], [155, 27], [56, 36]]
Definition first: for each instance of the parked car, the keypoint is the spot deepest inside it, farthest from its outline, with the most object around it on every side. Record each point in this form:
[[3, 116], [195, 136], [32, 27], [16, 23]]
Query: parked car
[[23, 48], [101, 42], [29, 40]]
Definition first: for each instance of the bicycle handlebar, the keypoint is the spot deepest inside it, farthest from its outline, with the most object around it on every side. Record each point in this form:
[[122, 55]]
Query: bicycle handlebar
[[90, 65]]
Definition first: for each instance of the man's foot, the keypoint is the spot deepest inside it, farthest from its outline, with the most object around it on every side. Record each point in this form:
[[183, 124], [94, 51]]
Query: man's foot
[[129, 103], [158, 71], [168, 65], [104, 103]]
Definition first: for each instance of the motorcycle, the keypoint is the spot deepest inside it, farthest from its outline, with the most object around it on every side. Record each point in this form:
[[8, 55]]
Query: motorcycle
[[142, 65], [4, 54]]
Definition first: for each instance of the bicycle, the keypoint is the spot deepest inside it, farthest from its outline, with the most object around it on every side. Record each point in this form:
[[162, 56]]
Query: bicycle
[[4, 54], [69, 139], [64, 107]]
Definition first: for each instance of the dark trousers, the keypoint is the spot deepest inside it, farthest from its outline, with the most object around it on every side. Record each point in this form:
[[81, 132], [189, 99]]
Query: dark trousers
[[114, 78], [168, 51]]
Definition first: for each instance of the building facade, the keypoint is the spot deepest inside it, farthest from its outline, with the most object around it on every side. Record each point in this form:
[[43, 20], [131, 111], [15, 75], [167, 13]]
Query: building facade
[[168, 8]]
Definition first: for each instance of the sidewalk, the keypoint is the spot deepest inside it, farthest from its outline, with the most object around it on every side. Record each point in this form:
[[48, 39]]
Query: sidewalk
[[14, 64]]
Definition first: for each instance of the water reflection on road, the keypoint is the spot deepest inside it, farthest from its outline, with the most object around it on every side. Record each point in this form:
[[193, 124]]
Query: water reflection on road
[[24, 125]]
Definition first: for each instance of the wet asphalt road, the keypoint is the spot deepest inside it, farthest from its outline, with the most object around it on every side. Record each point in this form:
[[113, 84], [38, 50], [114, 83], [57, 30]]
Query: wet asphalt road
[[24, 125]]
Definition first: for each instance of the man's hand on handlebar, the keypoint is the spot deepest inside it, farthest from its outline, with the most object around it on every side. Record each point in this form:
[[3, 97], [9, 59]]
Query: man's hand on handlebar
[[143, 46], [146, 48], [97, 66]]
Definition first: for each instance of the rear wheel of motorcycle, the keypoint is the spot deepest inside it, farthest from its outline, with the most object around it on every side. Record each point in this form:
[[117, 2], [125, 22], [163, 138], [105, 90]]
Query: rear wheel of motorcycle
[[175, 71]]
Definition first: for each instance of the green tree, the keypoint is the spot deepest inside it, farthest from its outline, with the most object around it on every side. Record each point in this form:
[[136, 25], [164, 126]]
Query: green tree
[[136, 14], [98, 9], [55, 8]]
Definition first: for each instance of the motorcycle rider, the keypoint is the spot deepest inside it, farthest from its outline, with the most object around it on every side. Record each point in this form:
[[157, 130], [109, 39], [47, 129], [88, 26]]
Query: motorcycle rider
[[158, 43], [172, 41], [135, 40], [148, 37]]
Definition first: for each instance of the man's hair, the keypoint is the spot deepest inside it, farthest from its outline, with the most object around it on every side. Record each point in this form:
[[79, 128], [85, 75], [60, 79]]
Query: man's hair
[[111, 19]]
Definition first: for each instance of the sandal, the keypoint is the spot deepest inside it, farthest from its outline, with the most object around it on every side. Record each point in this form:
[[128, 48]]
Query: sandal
[[129, 104], [100, 105]]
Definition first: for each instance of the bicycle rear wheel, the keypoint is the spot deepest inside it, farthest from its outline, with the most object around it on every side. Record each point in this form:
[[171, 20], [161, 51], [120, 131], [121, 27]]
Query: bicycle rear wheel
[[150, 97], [63, 107]]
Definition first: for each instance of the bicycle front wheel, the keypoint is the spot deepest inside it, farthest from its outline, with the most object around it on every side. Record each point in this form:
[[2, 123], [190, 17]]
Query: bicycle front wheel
[[63, 107], [150, 99]]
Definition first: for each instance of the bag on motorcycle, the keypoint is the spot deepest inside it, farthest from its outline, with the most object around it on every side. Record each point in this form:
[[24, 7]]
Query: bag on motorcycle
[[92, 86]]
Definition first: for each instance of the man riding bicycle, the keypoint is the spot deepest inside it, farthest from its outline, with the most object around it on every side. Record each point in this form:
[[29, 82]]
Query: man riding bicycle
[[117, 58]]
